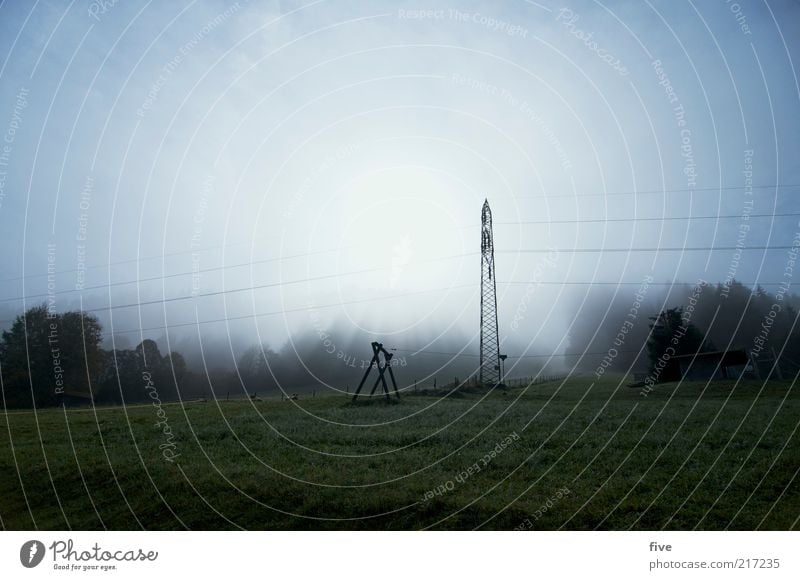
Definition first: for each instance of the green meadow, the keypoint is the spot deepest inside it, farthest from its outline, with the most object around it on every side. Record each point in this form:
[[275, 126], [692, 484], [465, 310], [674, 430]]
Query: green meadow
[[573, 455]]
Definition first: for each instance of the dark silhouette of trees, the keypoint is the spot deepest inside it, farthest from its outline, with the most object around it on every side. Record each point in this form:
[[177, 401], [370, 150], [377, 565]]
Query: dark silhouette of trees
[[672, 334], [46, 356], [731, 316], [138, 375]]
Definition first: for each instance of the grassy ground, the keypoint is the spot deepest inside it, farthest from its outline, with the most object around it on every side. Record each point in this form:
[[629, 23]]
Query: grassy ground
[[585, 455]]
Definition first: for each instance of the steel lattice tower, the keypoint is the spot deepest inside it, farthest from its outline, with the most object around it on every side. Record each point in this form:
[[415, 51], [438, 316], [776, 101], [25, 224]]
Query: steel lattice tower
[[490, 338]]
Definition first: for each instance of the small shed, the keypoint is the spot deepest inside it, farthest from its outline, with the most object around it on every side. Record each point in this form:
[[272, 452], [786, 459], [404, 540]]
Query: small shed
[[718, 365]]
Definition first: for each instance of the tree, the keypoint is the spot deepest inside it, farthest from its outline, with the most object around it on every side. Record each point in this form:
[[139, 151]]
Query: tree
[[119, 378], [177, 364], [45, 355], [672, 335], [133, 376]]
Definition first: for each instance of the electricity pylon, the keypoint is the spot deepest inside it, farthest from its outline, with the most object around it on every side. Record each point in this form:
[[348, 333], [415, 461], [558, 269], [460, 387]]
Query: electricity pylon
[[490, 338]]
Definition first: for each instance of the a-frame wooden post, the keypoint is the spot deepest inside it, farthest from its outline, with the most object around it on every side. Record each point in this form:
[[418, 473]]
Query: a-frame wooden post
[[372, 362], [377, 350]]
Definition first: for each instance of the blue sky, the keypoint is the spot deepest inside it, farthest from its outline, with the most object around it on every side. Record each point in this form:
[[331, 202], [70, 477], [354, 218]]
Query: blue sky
[[354, 142]]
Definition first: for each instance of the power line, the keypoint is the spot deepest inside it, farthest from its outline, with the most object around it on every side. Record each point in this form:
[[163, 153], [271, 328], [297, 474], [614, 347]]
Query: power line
[[667, 249], [168, 276], [503, 282], [639, 283], [466, 354], [647, 219], [236, 290], [269, 260], [658, 191], [381, 298], [539, 196], [291, 310], [368, 270], [132, 260]]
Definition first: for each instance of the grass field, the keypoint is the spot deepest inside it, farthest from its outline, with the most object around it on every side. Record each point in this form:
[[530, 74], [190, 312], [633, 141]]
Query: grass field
[[578, 455]]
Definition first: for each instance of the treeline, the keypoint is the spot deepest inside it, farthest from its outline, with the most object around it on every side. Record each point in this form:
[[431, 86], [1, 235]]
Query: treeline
[[51, 359], [48, 359], [724, 317]]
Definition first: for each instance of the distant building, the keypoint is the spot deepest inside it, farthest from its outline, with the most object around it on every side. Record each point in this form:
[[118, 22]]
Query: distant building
[[719, 365]]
